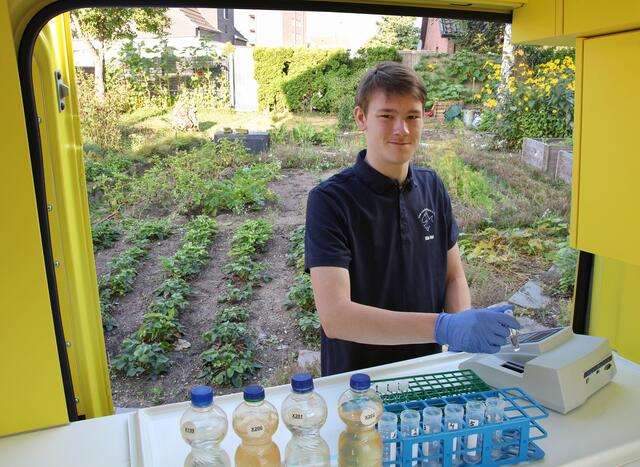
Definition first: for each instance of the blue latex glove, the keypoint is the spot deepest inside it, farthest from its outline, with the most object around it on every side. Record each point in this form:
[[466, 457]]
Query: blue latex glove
[[483, 330]]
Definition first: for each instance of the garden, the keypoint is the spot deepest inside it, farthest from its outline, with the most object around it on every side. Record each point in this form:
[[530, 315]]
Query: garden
[[199, 244]]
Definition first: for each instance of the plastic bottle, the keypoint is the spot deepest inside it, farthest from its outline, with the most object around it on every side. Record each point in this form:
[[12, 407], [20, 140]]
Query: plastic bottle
[[203, 426], [360, 409], [431, 424], [453, 420], [255, 421], [304, 412], [474, 417], [388, 428]]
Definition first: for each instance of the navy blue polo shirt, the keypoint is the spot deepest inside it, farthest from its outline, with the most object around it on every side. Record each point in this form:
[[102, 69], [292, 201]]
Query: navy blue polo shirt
[[393, 240]]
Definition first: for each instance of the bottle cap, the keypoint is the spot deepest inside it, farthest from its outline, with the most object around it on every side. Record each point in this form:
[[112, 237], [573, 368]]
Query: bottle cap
[[302, 382], [253, 393], [360, 382], [201, 396]]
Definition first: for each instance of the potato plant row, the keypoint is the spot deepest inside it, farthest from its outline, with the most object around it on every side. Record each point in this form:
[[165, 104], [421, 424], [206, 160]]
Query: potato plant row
[[300, 299], [230, 356], [144, 351]]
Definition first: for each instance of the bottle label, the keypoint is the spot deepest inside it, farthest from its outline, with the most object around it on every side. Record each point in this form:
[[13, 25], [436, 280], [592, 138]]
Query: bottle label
[[368, 416], [255, 430], [189, 430], [295, 417]]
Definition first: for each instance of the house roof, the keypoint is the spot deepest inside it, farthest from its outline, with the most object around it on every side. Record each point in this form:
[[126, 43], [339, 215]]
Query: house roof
[[449, 28], [198, 20]]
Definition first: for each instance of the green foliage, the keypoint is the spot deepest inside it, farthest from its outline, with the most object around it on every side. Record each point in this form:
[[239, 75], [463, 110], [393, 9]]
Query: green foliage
[[122, 271], [99, 163], [228, 332], [535, 55], [186, 261], [160, 328], [295, 257], [566, 260], [300, 295], [464, 182], [105, 234], [148, 229], [445, 75], [247, 189], [312, 80], [397, 32], [502, 247], [201, 230], [137, 358], [235, 294], [251, 238], [233, 314], [98, 116], [480, 36], [346, 120], [227, 365], [537, 102], [245, 270]]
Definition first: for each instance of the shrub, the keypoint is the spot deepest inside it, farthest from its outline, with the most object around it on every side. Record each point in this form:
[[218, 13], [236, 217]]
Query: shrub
[[566, 260]]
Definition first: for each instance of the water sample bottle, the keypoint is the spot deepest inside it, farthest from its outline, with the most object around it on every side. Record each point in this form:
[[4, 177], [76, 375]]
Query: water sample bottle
[[409, 428], [360, 409], [255, 421], [453, 420], [431, 423], [495, 414], [203, 426], [474, 418], [388, 428], [304, 412]]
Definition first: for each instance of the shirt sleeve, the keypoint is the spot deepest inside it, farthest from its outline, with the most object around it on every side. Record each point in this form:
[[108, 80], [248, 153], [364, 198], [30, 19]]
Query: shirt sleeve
[[450, 221], [325, 242]]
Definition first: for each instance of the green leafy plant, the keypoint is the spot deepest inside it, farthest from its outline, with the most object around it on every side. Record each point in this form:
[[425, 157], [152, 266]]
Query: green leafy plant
[[235, 294], [227, 365], [160, 328], [137, 358], [149, 229], [235, 314], [566, 260], [105, 234], [186, 261], [228, 332], [251, 238]]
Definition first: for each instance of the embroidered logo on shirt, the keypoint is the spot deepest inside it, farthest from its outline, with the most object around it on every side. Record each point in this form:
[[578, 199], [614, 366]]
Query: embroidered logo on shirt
[[426, 218]]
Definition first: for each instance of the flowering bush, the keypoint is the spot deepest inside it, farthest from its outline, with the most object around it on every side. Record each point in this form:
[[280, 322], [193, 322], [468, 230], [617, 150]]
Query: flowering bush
[[535, 102]]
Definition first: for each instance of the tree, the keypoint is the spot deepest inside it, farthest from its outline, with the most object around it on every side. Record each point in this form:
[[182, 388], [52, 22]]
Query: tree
[[100, 27], [479, 36], [397, 32]]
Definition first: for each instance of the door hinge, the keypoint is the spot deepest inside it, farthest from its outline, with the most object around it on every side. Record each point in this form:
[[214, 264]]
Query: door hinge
[[63, 90]]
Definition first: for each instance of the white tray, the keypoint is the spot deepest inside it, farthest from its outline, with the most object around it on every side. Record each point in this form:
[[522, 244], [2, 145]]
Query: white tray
[[158, 427]]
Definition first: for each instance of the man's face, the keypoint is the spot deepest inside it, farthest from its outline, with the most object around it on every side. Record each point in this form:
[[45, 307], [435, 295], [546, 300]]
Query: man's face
[[392, 125]]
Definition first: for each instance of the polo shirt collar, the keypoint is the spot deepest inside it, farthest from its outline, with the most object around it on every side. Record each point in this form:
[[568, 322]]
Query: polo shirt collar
[[378, 182]]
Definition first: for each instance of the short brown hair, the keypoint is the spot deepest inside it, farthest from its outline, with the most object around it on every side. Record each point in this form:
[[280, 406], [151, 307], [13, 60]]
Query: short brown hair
[[392, 78]]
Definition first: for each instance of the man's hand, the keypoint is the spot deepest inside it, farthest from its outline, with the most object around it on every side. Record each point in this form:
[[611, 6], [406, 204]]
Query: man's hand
[[478, 331]]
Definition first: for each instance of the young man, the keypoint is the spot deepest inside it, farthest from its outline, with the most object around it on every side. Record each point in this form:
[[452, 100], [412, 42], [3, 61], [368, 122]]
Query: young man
[[381, 244]]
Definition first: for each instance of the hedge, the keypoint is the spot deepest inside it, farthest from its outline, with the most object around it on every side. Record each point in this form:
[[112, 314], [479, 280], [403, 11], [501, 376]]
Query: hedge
[[299, 79]]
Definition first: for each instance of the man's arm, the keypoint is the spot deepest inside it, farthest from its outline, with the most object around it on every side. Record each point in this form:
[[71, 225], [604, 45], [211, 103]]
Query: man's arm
[[344, 319], [457, 295]]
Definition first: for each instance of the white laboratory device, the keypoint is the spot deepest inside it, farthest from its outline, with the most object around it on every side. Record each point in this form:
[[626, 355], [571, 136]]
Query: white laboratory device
[[558, 368]]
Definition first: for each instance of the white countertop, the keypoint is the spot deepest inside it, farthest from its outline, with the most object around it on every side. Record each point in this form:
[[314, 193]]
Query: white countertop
[[605, 431]]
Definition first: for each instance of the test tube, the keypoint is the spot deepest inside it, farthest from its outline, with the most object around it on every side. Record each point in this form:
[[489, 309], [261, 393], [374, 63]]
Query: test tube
[[495, 414], [514, 336], [474, 417], [453, 420], [410, 427], [388, 428], [431, 423]]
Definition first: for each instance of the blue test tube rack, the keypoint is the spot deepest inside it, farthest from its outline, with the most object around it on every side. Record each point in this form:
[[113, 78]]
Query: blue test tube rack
[[518, 432]]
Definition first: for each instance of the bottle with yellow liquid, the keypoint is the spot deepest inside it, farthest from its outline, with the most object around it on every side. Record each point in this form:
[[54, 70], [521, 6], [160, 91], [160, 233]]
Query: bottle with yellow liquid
[[360, 408], [255, 421]]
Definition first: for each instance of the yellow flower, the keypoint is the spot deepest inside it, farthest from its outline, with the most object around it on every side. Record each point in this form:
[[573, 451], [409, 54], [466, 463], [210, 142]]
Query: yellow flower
[[499, 116], [519, 52], [526, 98], [477, 96], [554, 111], [430, 66], [563, 76], [554, 81], [491, 103], [547, 88], [489, 91], [526, 109]]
